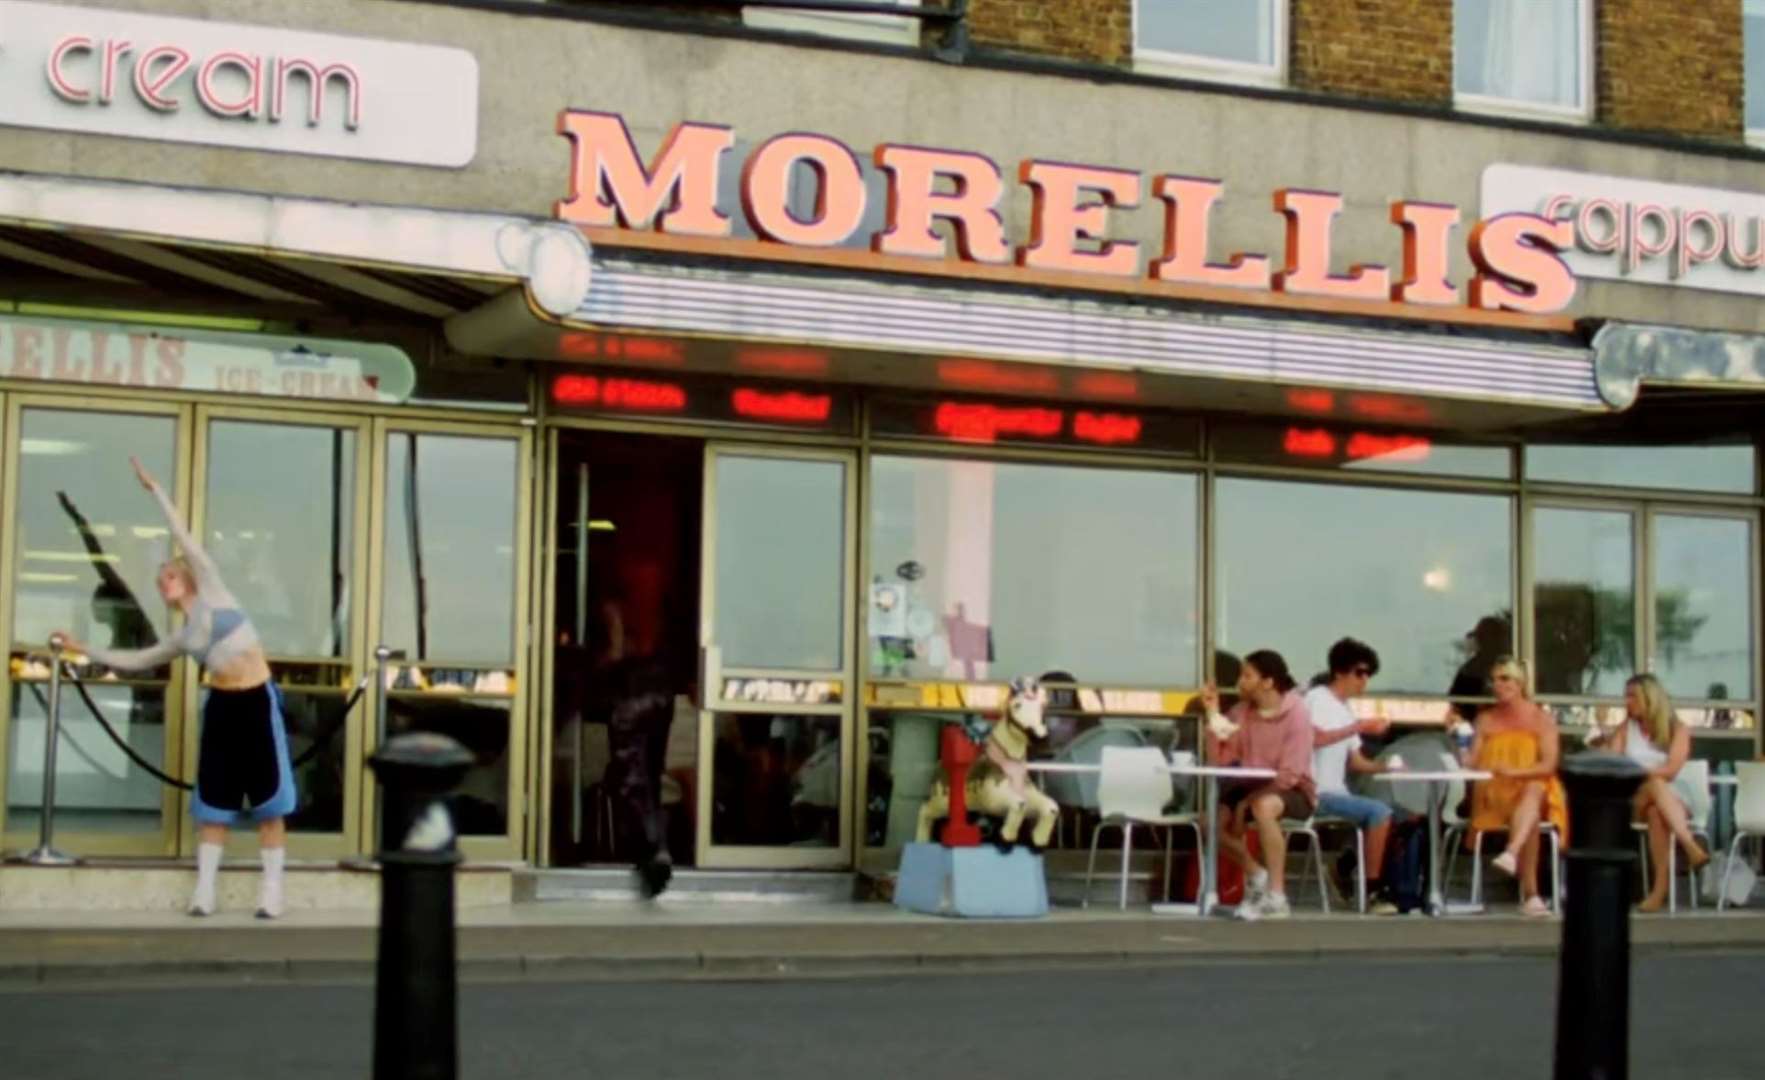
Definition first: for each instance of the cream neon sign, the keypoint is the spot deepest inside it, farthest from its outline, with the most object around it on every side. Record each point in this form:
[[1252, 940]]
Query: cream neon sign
[[1516, 256], [83, 70]]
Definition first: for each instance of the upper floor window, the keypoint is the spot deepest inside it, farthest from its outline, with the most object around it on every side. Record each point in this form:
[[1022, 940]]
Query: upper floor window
[[1754, 42], [1525, 57], [888, 29], [1227, 40]]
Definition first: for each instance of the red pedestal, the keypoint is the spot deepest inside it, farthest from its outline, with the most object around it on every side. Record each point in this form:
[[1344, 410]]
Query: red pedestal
[[958, 752]]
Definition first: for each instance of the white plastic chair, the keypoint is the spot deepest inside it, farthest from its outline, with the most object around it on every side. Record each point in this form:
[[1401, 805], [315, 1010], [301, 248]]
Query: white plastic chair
[[1693, 783], [1291, 827], [1749, 817], [1133, 788], [1457, 826]]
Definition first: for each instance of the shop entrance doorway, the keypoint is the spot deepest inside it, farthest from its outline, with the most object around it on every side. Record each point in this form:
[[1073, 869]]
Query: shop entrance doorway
[[625, 631], [702, 653]]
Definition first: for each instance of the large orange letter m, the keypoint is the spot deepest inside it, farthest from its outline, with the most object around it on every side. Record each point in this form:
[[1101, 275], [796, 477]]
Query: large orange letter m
[[610, 186]]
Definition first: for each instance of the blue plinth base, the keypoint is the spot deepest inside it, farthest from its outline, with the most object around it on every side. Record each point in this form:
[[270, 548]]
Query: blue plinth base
[[972, 882]]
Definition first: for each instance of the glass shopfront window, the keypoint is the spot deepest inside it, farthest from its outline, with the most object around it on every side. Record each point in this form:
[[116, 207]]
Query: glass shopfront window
[[1725, 467], [990, 570], [1424, 577], [1584, 600], [1703, 606]]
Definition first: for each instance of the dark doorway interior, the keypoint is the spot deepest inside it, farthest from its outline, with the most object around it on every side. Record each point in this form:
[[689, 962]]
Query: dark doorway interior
[[625, 739]]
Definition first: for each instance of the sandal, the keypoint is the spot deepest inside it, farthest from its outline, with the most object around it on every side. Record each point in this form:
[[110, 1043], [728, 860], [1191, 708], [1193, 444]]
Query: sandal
[[1507, 864], [1535, 908]]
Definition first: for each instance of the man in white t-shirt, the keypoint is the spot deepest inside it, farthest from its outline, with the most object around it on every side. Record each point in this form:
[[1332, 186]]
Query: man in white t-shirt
[[1336, 749]]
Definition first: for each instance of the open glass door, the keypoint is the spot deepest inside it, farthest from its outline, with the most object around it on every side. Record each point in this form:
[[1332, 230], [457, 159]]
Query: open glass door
[[776, 727]]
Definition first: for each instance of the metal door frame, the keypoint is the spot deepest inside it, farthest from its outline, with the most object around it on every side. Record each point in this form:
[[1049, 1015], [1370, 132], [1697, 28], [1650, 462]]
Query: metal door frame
[[840, 856]]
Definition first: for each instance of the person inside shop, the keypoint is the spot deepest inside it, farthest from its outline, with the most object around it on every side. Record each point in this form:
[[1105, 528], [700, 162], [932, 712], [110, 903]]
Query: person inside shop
[[1485, 643], [1336, 751], [242, 771], [632, 679], [1269, 728], [1517, 741], [1653, 737]]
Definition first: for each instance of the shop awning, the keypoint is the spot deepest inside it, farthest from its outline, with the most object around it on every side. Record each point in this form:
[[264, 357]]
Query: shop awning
[[83, 241], [526, 288]]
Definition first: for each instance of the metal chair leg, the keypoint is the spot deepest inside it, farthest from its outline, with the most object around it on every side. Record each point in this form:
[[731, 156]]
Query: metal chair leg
[[1360, 856], [1477, 869], [1452, 839], [1672, 875], [1127, 850], [1556, 873], [1317, 853], [1091, 865], [1170, 845]]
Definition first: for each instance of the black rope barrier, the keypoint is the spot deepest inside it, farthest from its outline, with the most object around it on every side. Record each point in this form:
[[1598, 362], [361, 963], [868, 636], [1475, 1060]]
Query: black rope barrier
[[320, 741]]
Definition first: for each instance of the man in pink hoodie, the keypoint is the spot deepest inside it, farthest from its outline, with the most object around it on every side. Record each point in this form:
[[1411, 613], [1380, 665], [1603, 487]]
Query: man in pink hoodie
[[1269, 728]]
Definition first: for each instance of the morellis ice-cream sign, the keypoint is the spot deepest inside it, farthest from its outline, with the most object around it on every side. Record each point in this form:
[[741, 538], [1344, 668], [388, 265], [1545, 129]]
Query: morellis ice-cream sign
[[1642, 230], [224, 84]]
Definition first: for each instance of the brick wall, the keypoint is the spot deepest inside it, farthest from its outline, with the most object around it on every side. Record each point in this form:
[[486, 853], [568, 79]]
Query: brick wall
[[1670, 66], [1100, 31], [1395, 50]]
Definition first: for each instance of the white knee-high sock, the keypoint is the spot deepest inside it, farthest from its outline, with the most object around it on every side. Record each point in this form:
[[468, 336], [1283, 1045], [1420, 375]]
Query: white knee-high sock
[[269, 893], [208, 867]]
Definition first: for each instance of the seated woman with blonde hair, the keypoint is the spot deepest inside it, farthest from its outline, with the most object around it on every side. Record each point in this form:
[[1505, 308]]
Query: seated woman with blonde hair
[[1655, 739], [1517, 742]]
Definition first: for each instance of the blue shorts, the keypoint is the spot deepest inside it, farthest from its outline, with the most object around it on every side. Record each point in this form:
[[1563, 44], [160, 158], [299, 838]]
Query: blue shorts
[[242, 768], [1365, 813]]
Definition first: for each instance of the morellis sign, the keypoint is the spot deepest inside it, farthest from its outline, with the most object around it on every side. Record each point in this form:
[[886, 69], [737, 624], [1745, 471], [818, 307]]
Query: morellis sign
[[224, 84], [619, 198]]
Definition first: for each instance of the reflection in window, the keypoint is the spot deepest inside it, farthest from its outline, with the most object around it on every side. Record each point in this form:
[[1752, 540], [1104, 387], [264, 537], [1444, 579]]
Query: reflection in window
[[1719, 467], [1316, 447], [320, 781], [1584, 601], [1241, 35], [1418, 575], [89, 540], [1703, 632], [286, 559], [97, 787], [450, 547], [780, 562], [984, 570], [776, 780], [1526, 53]]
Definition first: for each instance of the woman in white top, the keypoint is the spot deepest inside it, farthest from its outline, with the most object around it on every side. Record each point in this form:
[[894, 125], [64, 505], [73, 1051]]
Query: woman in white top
[[1655, 739], [242, 772]]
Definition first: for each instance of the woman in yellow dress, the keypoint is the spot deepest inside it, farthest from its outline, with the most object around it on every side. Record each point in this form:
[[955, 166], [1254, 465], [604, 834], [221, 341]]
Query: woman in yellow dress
[[1517, 742]]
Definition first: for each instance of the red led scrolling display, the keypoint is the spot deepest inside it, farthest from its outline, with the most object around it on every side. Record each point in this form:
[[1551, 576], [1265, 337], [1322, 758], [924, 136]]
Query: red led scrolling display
[[702, 401], [978, 422], [1318, 444]]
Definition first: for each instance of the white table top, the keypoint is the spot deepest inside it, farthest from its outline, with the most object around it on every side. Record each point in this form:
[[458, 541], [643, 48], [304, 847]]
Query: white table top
[[1224, 771], [1435, 774]]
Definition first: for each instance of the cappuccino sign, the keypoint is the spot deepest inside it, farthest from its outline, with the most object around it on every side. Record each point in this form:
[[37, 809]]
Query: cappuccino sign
[[224, 84], [1641, 230]]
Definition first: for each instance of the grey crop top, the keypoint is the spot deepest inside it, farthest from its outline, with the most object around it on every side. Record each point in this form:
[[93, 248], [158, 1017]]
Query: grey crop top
[[216, 629]]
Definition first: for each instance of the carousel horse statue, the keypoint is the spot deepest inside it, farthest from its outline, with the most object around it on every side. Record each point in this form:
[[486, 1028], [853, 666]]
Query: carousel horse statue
[[998, 784]]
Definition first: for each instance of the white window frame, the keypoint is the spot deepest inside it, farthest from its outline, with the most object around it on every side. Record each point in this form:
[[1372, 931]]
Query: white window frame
[[1490, 105], [884, 29], [1754, 135], [1211, 69]]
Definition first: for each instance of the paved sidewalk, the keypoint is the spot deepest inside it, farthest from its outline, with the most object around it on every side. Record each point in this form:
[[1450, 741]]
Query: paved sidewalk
[[698, 940]]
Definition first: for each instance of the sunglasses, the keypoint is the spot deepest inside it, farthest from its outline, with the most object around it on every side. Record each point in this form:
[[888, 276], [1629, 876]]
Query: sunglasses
[[1363, 671]]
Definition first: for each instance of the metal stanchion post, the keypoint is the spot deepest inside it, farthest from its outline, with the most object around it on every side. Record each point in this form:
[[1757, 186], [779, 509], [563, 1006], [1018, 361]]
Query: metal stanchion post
[[1593, 975], [416, 1009], [382, 654], [45, 853]]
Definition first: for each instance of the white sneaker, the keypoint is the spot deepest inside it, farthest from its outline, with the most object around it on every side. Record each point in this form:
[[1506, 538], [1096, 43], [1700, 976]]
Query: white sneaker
[[1248, 911], [1274, 906], [1256, 886]]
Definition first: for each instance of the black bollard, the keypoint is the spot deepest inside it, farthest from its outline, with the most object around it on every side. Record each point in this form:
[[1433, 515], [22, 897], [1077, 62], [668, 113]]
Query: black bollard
[[416, 1009], [1593, 973]]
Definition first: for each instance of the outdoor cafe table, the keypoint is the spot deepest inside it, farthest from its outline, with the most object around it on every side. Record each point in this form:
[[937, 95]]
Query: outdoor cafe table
[[1436, 779], [1207, 895]]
